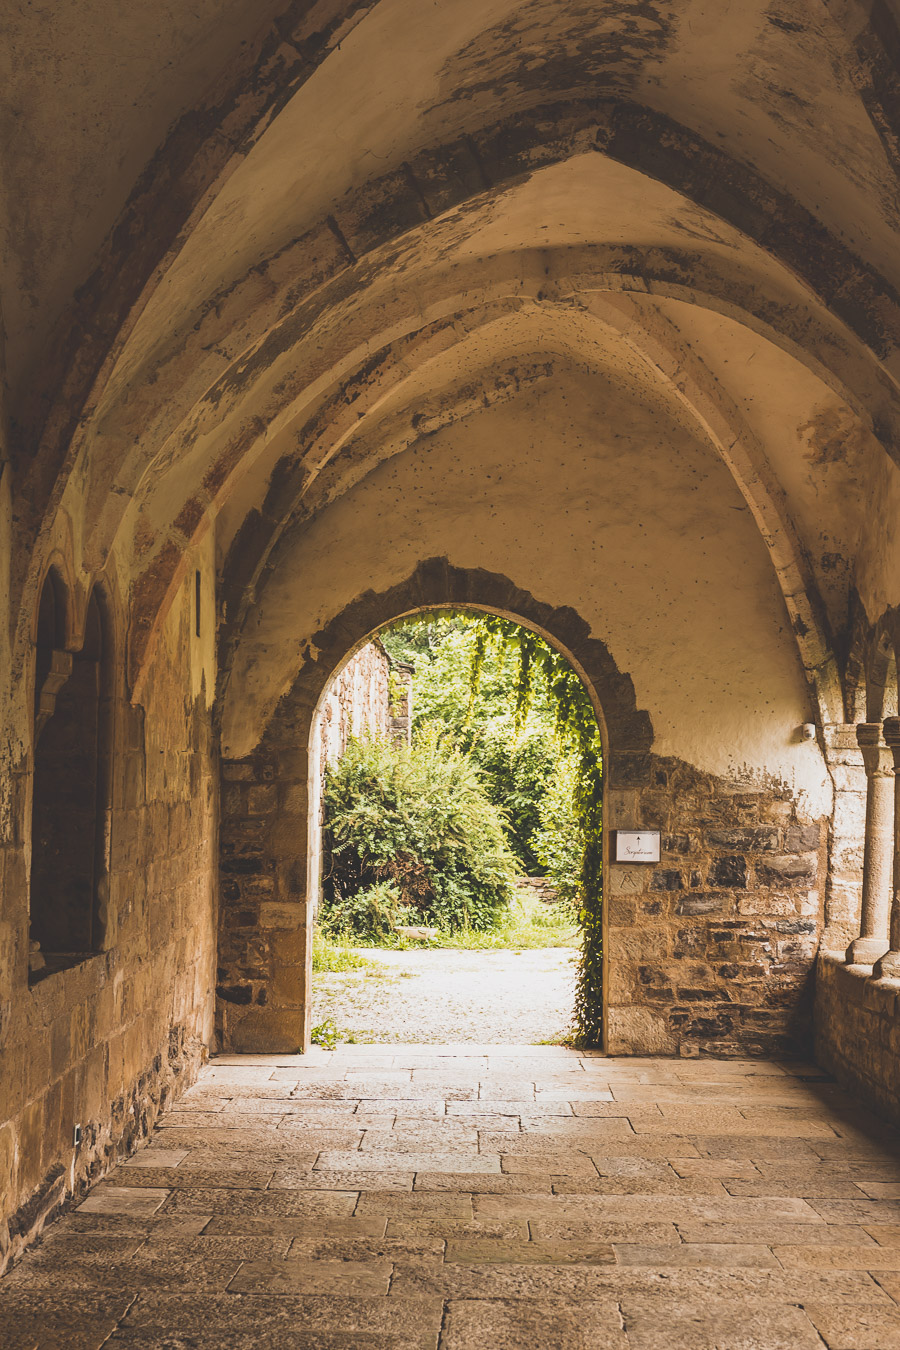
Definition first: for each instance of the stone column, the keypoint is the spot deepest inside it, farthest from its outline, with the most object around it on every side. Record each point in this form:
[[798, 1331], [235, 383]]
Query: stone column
[[872, 942], [843, 883], [889, 964]]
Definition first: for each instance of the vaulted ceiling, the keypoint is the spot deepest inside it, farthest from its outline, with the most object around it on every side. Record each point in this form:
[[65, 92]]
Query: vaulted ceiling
[[253, 253]]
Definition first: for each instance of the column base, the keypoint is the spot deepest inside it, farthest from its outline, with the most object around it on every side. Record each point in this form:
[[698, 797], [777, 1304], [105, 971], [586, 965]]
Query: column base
[[888, 967], [866, 951]]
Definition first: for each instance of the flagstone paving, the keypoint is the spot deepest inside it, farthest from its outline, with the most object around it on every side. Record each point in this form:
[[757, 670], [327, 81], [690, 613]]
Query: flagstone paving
[[482, 1198]]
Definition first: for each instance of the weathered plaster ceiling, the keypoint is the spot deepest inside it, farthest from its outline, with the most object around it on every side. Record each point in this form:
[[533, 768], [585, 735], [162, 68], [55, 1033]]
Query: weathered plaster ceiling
[[368, 216], [627, 483]]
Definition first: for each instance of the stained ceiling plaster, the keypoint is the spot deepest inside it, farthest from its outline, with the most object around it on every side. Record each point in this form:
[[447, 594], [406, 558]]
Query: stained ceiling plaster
[[780, 98], [88, 93], [89, 97]]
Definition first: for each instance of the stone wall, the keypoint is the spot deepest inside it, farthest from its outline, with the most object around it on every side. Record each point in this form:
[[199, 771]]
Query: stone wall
[[357, 702], [265, 907], [857, 1031], [712, 950], [106, 1043]]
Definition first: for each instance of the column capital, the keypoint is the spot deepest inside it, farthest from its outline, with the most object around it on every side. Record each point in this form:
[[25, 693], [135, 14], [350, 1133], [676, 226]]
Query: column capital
[[891, 733], [878, 756]]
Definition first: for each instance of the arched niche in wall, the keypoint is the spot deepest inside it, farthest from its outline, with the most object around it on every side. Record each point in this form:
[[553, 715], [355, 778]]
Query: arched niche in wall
[[73, 729]]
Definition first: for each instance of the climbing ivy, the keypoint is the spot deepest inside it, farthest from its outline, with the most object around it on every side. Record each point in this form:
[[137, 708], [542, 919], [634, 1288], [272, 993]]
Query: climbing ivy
[[578, 734]]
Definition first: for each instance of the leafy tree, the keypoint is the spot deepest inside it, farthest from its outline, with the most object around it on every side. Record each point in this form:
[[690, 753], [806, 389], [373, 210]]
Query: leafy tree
[[516, 772], [515, 762], [477, 673], [558, 842]]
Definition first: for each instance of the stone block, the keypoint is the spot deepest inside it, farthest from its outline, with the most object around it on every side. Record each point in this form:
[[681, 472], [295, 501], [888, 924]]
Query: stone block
[[627, 880], [621, 912], [289, 948], [268, 1031], [697, 1255], [282, 914], [12, 1082], [639, 1031], [790, 868], [749, 839], [678, 843], [802, 838], [487, 1251], [7, 1159], [142, 1201], [708, 903], [622, 809], [730, 871], [295, 800], [666, 879], [636, 944], [238, 771], [29, 1142], [288, 984], [308, 1276], [754, 904]]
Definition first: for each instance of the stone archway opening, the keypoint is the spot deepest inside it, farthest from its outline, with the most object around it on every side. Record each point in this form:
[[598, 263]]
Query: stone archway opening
[[268, 866], [455, 846]]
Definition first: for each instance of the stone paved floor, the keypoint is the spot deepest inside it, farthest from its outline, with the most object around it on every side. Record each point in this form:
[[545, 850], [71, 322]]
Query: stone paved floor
[[482, 1198]]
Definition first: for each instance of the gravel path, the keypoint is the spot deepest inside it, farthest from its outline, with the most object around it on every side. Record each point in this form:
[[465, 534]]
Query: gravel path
[[435, 996]]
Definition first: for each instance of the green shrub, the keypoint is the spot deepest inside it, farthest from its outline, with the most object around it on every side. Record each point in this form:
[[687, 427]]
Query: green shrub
[[372, 913], [469, 680], [410, 837]]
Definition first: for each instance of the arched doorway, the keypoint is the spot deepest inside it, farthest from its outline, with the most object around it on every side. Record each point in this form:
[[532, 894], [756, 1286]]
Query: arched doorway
[[270, 884], [677, 978], [456, 792]]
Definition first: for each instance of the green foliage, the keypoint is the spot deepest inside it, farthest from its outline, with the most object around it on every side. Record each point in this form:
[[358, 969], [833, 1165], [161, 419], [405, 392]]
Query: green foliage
[[326, 1034], [410, 837], [329, 1035], [504, 661], [469, 683], [373, 912], [334, 957], [396, 692], [529, 923], [557, 841], [516, 772]]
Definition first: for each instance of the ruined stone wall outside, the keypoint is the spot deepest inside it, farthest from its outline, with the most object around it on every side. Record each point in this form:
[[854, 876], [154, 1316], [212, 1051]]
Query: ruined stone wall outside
[[857, 1031], [108, 1042], [357, 703]]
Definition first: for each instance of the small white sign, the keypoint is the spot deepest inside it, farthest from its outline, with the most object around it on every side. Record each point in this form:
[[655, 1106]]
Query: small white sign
[[637, 846]]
